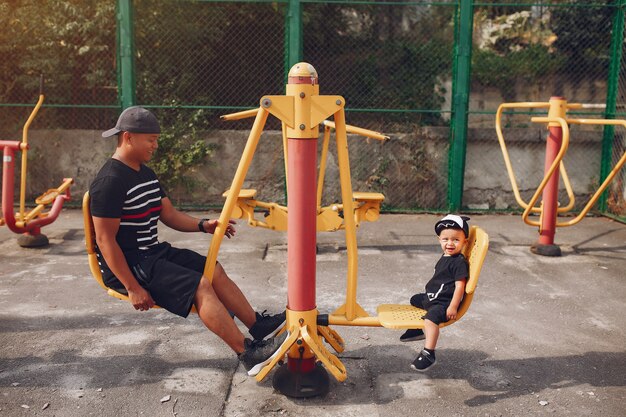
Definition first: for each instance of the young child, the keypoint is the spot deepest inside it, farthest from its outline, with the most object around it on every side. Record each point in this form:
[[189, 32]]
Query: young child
[[445, 289]]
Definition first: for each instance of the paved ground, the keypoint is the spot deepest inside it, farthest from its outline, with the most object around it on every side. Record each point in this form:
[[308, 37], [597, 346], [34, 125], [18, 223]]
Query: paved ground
[[543, 336]]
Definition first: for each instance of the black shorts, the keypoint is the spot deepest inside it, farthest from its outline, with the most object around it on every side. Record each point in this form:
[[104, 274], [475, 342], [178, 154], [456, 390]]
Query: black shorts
[[170, 275], [435, 311]]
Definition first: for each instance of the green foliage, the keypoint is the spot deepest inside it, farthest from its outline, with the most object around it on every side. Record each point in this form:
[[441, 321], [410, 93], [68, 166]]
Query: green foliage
[[521, 46], [529, 64], [181, 150], [72, 42], [584, 37], [378, 56], [205, 53]]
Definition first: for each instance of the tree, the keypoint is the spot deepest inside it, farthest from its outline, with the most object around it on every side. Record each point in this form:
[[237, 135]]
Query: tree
[[584, 38]]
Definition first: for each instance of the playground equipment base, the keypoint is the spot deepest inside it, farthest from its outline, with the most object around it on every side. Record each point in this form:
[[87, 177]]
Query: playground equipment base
[[301, 385], [32, 241], [545, 250]]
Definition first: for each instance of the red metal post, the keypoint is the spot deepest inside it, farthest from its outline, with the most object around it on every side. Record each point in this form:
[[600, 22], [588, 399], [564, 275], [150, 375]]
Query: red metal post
[[550, 197], [302, 377], [551, 192], [8, 181], [31, 234], [301, 218]]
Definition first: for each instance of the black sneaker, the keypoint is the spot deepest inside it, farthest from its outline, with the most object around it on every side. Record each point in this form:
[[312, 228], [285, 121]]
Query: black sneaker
[[424, 361], [267, 325], [412, 335], [259, 353]]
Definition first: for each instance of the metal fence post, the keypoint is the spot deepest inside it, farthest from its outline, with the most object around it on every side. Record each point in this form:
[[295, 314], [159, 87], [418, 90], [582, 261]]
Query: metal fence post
[[293, 35], [460, 104], [617, 40], [125, 54], [293, 46]]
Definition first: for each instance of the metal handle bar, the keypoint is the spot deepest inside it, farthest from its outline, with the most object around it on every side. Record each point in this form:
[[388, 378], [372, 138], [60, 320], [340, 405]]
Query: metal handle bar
[[509, 166]]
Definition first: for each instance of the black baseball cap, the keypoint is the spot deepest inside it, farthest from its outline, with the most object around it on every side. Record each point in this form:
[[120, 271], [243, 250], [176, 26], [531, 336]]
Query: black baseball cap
[[452, 221], [135, 120]]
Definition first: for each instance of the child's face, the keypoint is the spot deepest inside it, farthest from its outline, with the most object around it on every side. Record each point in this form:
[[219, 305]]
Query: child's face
[[452, 241]]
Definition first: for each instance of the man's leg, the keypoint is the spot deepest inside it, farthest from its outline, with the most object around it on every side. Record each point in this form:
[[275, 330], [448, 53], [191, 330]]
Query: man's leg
[[232, 298], [229, 294], [215, 316]]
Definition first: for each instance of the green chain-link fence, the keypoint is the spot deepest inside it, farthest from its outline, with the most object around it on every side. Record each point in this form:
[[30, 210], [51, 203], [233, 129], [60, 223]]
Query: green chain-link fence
[[616, 201], [429, 73], [529, 53], [73, 45]]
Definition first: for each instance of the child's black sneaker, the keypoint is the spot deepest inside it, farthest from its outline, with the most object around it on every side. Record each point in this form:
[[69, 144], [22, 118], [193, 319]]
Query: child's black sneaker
[[267, 325], [259, 353], [412, 335], [423, 361]]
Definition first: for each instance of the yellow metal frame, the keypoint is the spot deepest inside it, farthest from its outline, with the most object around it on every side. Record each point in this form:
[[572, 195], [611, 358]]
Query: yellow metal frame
[[306, 334], [509, 166], [556, 117], [241, 204], [32, 116], [608, 178], [330, 217]]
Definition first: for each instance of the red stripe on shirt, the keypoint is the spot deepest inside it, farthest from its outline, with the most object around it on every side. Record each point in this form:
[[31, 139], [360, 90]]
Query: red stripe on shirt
[[140, 215]]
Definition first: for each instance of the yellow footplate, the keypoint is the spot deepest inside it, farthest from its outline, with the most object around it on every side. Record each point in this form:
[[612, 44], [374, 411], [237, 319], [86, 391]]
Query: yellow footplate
[[47, 197], [400, 316]]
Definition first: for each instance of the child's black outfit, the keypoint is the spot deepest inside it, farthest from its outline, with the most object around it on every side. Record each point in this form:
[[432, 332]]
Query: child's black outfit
[[440, 288]]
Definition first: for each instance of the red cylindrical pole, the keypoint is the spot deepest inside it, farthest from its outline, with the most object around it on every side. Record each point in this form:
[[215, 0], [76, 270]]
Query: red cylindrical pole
[[550, 194], [301, 377], [8, 166], [550, 198], [301, 220]]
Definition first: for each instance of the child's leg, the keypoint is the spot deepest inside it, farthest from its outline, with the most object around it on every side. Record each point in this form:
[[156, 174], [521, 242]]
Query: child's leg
[[431, 330], [411, 335], [426, 358]]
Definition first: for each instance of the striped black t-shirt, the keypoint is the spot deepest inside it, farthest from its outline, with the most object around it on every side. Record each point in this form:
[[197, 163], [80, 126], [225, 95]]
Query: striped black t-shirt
[[134, 197]]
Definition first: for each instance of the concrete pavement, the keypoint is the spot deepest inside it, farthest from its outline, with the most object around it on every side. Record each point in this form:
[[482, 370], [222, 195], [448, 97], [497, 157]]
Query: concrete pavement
[[544, 336]]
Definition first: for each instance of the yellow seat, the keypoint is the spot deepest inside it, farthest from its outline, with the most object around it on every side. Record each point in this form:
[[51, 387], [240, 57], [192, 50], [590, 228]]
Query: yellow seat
[[90, 243], [402, 316]]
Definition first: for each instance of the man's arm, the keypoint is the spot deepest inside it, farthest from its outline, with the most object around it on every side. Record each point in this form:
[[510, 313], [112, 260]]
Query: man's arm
[[106, 230], [183, 222], [459, 289]]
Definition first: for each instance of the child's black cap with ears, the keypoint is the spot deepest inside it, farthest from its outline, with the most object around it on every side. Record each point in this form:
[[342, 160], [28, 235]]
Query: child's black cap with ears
[[453, 221]]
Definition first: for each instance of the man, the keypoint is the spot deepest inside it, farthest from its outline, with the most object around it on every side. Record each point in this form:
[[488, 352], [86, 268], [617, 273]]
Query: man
[[127, 202]]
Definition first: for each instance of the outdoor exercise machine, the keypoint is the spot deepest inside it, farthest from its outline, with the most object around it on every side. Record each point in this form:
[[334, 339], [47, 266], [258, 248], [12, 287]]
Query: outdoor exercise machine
[[28, 223], [301, 110], [557, 143]]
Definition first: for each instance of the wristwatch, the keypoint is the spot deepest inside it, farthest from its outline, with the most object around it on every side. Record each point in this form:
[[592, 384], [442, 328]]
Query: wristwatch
[[201, 225]]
